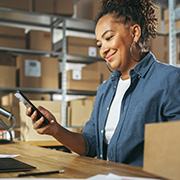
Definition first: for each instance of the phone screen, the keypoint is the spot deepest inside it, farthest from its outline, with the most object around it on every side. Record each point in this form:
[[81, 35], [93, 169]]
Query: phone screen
[[21, 97]]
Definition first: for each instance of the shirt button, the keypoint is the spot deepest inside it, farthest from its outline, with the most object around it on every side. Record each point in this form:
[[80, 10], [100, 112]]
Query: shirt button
[[102, 131], [107, 108]]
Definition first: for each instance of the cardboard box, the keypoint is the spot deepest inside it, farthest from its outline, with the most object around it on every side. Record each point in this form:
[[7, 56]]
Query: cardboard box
[[162, 42], [79, 45], [88, 9], [100, 67], [27, 131], [82, 80], [161, 150], [79, 112], [37, 71], [7, 59], [39, 40], [19, 4], [12, 37], [8, 76], [80, 41], [61, 7], [166, 21]]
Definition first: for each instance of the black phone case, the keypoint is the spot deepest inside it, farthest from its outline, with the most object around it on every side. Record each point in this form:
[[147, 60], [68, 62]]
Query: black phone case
[[21, 97]]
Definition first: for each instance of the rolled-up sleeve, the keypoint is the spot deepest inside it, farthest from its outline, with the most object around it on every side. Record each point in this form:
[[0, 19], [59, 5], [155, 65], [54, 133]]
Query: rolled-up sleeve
[[171, 102], [90, 137]]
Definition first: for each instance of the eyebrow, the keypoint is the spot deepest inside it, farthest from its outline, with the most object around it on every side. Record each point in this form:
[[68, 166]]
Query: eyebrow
[[104, 34]]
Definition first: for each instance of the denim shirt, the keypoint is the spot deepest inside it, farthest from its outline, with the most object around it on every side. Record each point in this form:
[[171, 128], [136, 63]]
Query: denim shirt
[[153, 96]]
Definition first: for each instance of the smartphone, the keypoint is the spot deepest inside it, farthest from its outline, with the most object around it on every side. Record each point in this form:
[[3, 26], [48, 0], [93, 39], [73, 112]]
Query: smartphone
[[22, 98]]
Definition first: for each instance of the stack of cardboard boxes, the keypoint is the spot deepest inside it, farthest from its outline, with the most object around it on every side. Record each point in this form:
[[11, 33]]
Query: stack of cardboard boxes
[[160, 45], [42, 6], [7, 70], [79, 45], [79, 111]]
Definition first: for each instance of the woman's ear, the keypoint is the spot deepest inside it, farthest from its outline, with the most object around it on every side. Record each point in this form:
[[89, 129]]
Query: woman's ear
[[136, 31]]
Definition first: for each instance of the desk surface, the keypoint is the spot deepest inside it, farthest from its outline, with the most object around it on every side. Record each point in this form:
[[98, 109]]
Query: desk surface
[[74, 165]]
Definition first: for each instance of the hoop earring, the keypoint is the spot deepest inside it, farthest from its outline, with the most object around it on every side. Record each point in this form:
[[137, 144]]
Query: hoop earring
[[107, 64], [131, 50]]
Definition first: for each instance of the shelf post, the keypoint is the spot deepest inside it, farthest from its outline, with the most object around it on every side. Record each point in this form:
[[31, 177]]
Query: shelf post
[[64, 78], [172, 33]]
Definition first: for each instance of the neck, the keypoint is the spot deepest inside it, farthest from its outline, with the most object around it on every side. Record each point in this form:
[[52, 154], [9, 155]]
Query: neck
[[125, 76]]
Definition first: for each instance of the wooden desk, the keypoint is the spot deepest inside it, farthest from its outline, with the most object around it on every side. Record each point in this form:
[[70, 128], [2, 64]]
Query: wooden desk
[[75, 166]]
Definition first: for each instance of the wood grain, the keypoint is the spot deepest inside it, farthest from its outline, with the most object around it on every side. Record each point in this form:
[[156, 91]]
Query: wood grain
[[75, 166]]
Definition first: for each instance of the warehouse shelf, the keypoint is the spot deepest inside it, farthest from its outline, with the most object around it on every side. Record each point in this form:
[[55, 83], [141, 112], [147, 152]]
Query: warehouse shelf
[[29, 18], [28, 51], [80, 58], [45, 91], [81, 25], [174, 15], [51, 22]]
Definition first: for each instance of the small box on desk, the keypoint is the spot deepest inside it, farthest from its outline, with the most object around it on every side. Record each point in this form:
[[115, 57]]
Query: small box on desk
[[82, 80], [161, 149], [39, 40], [37, 72], [27, 131], [12, 37]]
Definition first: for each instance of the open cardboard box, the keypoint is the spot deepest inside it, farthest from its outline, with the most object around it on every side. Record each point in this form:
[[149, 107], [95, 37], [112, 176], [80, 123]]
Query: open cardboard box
[[162, 149]]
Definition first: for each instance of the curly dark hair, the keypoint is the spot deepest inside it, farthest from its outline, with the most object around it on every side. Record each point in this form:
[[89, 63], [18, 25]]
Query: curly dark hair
[[141, 12]]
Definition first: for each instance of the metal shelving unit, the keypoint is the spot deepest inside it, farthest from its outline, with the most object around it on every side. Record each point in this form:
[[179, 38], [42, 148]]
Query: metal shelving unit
[[48, 21], [174, 15]]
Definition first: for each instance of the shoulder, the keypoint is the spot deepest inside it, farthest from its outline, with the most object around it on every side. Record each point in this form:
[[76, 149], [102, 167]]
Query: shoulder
[[166, 73], [167, 69]]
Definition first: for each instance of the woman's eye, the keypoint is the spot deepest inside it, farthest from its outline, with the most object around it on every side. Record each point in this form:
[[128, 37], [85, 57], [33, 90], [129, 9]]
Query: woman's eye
[[108, 38], [99, 46]]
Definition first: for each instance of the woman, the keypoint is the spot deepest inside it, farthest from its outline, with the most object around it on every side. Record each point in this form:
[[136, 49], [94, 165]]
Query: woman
[[140, 90]]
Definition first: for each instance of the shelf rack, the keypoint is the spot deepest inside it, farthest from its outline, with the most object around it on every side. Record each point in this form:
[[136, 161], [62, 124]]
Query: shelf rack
[[49, 21], [174, 15]]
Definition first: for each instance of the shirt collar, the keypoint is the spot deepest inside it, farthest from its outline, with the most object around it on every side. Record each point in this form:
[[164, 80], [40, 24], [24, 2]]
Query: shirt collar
[[143, 66], [115, 74]]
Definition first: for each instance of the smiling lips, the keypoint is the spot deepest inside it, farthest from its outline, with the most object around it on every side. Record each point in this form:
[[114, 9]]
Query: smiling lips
[[110, 57]]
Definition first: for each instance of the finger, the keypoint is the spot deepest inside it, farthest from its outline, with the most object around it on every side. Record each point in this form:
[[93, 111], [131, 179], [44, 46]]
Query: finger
[[38, 123], [34, 116], [52, 122], [29, 111]]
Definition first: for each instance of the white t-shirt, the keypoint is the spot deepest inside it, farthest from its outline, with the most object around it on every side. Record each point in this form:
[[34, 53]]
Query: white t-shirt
[[114, 112]]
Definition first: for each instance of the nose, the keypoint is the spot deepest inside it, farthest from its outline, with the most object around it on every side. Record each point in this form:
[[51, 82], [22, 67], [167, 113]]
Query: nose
[[104, 50]]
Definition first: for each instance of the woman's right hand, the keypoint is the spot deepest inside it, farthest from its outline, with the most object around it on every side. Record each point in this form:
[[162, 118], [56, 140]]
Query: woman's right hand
[[73, 141], [49, 129]]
